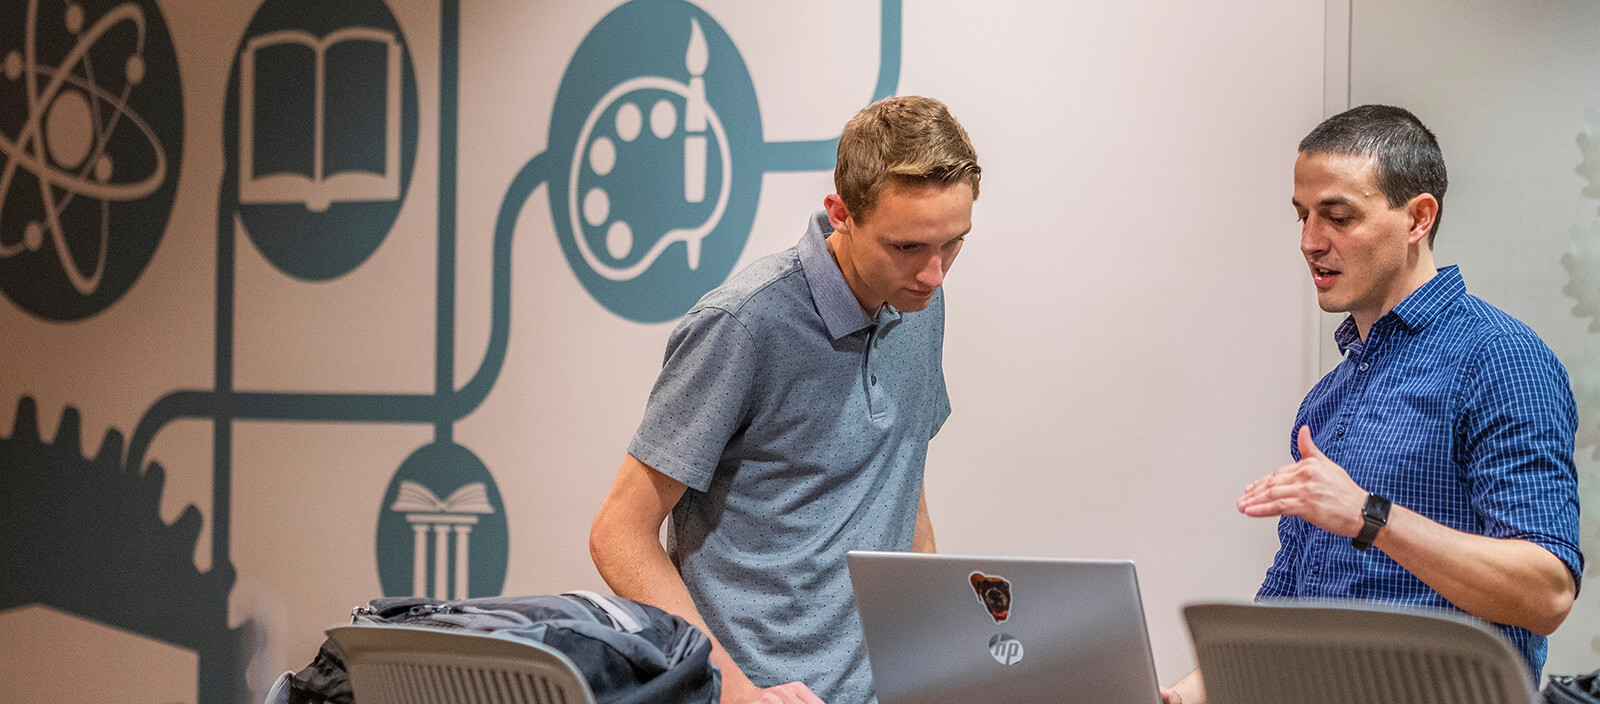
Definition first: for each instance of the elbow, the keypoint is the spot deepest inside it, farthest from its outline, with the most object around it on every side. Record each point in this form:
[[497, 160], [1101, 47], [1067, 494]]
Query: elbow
[[613, 544], [1546, 617], [1546, 609], [600, 542]]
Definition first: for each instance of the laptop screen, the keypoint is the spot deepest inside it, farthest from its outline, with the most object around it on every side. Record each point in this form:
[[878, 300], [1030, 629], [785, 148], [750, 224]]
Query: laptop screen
[[998, 630]]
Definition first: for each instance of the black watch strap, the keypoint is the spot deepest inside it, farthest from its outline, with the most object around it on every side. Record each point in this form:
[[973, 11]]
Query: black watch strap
[[1374, 516]]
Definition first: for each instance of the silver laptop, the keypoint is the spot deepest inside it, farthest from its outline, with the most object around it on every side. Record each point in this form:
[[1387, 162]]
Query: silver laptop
[[998, 630]]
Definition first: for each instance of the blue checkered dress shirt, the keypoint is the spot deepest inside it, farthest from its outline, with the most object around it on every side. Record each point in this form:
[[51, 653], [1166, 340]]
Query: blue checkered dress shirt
[[1452, 409]]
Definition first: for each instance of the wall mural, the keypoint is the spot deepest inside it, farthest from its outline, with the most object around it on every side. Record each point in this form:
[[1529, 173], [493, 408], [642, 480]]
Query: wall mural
[[654, 164], [1583, 287], [91, 133]]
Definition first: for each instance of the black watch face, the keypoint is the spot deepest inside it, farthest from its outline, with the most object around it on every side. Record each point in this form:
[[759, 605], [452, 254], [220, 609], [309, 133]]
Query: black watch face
[[1377, 508]]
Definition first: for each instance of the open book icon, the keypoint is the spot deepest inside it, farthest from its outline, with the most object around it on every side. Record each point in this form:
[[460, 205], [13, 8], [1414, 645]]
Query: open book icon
[[414, 497], [319, 118]]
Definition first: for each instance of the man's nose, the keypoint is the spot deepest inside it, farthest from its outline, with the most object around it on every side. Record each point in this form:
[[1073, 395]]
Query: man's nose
[[1312, 241], [932, 274]]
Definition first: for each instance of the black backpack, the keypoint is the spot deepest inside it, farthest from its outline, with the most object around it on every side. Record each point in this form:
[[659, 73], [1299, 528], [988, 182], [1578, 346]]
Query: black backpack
[[1573, 689], [630, 653]]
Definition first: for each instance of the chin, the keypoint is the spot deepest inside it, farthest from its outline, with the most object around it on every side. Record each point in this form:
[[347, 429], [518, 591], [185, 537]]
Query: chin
[[1328, 304], [912, 305]]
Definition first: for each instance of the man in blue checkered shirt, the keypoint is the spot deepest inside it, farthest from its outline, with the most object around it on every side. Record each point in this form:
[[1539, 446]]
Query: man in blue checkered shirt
[[1434, 464]]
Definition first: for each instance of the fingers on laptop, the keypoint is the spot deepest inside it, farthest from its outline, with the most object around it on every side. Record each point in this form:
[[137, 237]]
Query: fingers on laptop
[[791, 693]]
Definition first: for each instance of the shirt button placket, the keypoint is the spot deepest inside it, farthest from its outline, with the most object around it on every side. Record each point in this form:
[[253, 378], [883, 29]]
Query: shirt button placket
[[870, 368]]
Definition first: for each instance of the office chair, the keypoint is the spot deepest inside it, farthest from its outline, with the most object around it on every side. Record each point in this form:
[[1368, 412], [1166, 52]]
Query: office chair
[[411, 665], [1343, 653]]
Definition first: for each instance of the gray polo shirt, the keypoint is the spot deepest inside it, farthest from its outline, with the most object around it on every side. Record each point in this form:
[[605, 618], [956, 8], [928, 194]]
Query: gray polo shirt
[[800, 426]]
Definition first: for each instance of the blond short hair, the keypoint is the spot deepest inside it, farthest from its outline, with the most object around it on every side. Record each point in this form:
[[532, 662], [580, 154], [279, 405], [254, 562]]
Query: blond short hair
[[906, 140]]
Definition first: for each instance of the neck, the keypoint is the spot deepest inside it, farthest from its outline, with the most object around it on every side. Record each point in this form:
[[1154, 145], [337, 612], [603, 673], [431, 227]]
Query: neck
[[1420, 269], [852, 279]]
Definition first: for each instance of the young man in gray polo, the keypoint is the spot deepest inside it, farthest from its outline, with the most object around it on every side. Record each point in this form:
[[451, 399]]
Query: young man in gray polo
[[792, 416]]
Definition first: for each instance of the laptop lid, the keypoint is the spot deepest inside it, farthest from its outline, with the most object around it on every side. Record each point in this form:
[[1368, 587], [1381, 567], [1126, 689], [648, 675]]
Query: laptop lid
[[947, 629]]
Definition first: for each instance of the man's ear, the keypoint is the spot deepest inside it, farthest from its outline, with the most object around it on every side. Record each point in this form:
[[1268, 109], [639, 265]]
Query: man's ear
[[1423, 209], [838, 214]]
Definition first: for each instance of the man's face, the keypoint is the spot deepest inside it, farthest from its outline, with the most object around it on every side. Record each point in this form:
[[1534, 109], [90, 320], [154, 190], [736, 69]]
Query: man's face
[[902, 251], [1355, 245]]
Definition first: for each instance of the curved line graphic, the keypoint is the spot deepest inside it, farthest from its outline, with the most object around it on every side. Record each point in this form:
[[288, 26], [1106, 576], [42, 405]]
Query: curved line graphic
[[384, 408], [468, 397], [457, 404], [890, 28], [310, 407], [819, 155], [446, 405]]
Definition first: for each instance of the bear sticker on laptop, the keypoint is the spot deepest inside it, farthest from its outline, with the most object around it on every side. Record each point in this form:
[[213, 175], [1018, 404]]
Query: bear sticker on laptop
[[995, 595]]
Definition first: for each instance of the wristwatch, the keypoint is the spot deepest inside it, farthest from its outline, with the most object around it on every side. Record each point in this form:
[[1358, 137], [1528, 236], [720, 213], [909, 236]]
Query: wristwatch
[[1374, 515]]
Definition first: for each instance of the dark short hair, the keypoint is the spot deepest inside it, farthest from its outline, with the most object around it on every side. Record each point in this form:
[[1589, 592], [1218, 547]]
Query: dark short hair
[[1408, 156]]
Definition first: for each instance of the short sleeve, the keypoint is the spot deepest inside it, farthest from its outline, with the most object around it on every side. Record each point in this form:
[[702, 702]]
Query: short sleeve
[[1516, 437], [700, 399]]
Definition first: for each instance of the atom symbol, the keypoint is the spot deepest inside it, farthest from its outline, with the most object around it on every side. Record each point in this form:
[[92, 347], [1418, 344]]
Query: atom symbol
[[71, 120]]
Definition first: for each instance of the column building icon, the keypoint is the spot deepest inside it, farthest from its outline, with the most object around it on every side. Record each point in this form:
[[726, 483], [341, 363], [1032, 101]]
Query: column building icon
[[452, 516]]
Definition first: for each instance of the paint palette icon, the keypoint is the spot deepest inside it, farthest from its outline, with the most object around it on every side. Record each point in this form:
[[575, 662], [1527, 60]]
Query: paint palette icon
[[642, 139], [656, 157]]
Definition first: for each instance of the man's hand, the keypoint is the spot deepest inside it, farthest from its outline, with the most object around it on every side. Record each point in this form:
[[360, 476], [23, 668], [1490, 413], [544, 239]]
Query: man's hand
[[791, 693], [1314, 489], [627, 551], [1189, 690]]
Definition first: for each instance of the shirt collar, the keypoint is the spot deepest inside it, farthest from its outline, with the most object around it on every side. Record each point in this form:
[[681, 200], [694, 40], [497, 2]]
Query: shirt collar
[[1416, 311], [838, 306], [1347, 336], [1426, 303]]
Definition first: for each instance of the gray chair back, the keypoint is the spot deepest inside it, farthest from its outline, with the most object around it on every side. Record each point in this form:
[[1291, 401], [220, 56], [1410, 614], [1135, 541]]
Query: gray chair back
[[411, 665], [1343, 653]]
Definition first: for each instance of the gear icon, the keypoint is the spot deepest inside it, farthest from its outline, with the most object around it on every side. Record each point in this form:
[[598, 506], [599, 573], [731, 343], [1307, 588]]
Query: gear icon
[[1586, 391], [1589, 142], [1583, 287], [1583, 274], [85, 536]]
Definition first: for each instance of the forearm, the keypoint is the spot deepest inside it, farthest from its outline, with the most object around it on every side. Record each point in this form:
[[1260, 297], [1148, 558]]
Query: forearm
[[1513, 582], [922, 536], [625, 543], [640, 570]]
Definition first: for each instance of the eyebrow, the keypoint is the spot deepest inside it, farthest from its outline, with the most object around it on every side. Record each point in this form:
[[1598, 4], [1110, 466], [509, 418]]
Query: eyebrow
[[1327, 202], [900, 242]]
